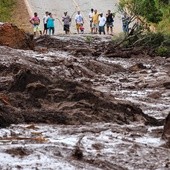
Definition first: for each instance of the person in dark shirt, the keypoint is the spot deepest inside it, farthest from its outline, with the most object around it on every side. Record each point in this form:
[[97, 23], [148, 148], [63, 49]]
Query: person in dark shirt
[[66, 19], [109, 22]]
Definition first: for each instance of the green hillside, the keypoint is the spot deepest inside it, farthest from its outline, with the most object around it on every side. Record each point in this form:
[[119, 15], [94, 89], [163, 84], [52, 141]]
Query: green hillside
[[6, 8]]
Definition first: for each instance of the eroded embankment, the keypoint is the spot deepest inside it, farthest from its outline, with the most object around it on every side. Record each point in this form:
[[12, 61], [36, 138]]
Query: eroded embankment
[[48, 91]]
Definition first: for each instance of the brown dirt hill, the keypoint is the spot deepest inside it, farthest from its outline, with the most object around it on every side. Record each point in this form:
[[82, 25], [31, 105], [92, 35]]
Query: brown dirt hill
[[12, 36]]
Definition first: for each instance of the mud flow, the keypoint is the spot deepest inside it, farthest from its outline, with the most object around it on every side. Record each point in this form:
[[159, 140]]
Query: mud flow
[[76, 102]]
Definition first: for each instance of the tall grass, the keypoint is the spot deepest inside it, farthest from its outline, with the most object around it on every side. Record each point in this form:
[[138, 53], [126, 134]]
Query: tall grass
[[6, 8]]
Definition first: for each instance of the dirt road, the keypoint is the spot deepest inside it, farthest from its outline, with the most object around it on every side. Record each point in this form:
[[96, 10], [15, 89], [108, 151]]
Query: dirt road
[[57, 7]]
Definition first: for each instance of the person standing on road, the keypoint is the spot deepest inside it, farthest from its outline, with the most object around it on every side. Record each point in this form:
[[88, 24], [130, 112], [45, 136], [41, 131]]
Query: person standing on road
[[45, 18], [95, 19], [66, 20], [91, 19], [79, 21], [109, 22], [102, 22], [35, 21], [50, 24], [125, 23]]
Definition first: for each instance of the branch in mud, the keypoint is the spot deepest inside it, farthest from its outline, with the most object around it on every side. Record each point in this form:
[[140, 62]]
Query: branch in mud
[[90, 131], [127, 38]]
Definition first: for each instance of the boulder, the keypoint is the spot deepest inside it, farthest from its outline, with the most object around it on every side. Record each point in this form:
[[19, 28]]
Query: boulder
[[12, 36]]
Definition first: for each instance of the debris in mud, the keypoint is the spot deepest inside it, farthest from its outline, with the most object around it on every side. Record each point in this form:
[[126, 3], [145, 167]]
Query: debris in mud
[[18, 151], [12, 36], [78, 153], [137, 67]]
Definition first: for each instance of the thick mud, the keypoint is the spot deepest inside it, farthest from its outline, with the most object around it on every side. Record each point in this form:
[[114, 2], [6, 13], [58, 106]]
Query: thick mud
[[109, 103]]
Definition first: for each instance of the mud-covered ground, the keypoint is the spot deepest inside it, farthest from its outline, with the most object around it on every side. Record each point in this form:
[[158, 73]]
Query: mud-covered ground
[[77, 103]]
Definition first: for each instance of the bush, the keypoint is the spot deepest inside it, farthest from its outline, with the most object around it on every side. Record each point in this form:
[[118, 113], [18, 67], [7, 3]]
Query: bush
[[162, 51]]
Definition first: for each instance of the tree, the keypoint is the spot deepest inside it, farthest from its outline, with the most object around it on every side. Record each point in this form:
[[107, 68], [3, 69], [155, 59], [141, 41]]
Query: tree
[[141, 8]]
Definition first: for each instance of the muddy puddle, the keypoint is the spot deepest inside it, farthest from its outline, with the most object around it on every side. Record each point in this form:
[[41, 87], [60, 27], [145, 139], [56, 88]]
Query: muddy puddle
[[83, 110]]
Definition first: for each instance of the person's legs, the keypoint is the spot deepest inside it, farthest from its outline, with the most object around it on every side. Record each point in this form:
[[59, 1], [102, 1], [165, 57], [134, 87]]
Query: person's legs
[[39, 30], [97, 28], [49, 29], [78, 28], [103, 29], [35, 30], [111, 30], [67, 29], [100, 29], [127, 28], [45, 29], [107, 29], [91, 27], [53, 30]]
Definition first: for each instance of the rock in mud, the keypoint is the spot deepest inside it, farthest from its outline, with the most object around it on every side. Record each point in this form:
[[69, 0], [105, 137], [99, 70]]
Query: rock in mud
[[25, 77], [37, 90], [9, 115], [12, 36], [167, 85], [166, 131]]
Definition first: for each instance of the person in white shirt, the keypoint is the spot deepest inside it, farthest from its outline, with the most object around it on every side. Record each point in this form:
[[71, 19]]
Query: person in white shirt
[[102, 22], [79, 21], [91, 19], [45, 18]]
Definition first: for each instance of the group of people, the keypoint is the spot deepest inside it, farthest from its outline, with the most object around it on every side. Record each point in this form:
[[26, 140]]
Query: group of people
[[97, 23], [48, 21]]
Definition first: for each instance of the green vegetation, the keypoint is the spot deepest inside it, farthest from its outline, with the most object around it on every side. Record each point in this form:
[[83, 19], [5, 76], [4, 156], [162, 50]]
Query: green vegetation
[[154, 12], [152, 20], [89, 39], [164, 25], [6, 8]]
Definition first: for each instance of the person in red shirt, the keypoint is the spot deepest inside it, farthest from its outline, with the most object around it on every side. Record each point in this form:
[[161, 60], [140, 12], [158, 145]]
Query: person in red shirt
[[35, 21]]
